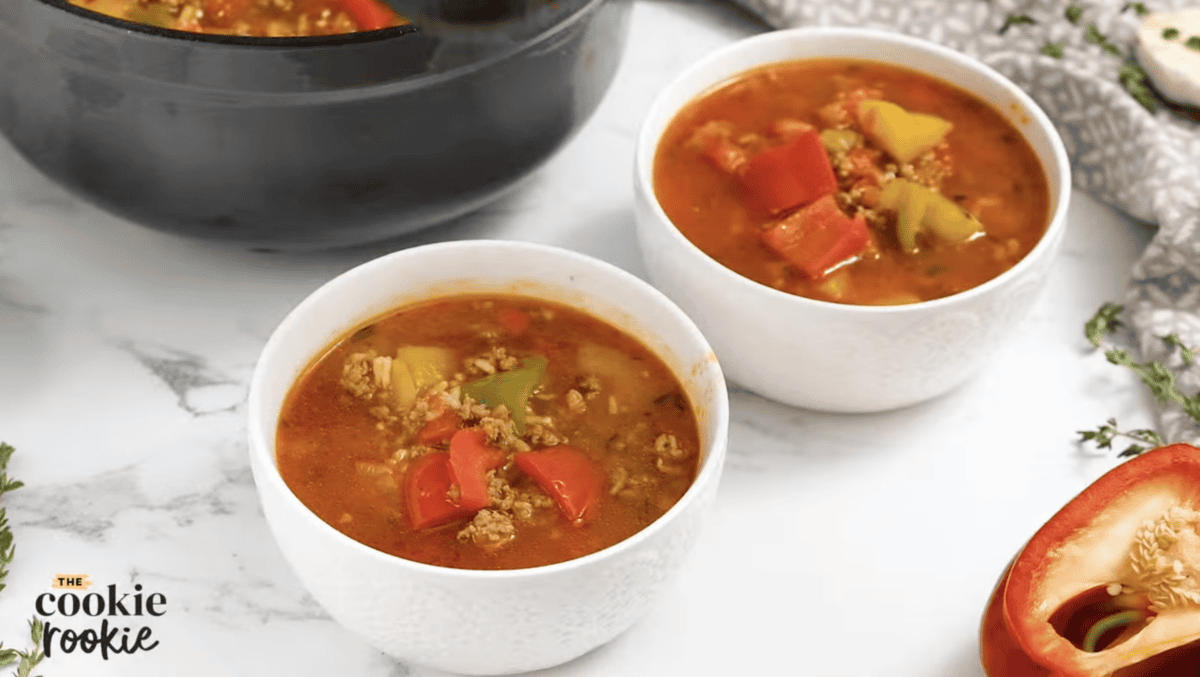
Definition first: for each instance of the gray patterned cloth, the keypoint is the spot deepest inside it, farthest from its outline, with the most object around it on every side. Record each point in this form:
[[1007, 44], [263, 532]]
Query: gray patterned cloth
[[1145, 164]]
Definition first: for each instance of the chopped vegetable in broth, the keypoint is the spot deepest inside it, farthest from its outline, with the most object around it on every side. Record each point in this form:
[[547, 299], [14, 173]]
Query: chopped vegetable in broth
[[253, 18], [852, 181], [488, 432]]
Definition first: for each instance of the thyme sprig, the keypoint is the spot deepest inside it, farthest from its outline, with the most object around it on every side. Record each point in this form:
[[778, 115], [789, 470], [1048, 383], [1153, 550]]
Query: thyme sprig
[[1130, 75], [26, 660], [1103, 438], [1158, 377], [7, 549]]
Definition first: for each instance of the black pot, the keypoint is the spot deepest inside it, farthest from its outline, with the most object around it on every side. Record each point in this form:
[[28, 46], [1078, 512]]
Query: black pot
[[300, 142]]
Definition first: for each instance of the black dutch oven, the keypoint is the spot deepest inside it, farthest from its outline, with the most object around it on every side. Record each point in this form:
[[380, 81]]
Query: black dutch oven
[[300, 142]]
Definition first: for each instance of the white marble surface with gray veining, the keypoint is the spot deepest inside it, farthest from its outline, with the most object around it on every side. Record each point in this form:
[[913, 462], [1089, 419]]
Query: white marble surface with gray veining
[[853, 546]]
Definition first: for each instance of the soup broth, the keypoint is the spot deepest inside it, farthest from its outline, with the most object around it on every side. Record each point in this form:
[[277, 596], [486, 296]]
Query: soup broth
[[488, 432], [852, 181], [253, 18]]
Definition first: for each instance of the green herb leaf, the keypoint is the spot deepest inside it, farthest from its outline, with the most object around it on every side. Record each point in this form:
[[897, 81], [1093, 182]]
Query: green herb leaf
[[1131, 451], [1093, 35], [1139, 7], [1187, 354], [7, 656], [1014, 20], [1160, 381], [1104, 436], [1134, 80], [1053, 49], [1158, 378], [6, 485], [7, 549], [1073, 12], [1105, 321], [30, 659], [1170, 33], [1193, 43]]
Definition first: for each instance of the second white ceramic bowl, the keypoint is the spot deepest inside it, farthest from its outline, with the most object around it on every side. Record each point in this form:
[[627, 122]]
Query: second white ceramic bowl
[[830, 356], [485, 622]]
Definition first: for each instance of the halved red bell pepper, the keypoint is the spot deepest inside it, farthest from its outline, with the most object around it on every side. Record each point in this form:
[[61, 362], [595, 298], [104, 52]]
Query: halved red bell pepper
[[1111, 583], [818, 237], [792, 174], [999, 651], [470, 461], [567, 475]]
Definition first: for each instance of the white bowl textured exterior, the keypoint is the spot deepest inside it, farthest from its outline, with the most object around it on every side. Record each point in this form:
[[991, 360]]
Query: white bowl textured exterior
[[485, 622], [829, 356]]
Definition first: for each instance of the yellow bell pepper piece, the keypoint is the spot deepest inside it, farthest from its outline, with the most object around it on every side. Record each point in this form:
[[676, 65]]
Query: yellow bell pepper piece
[[912, 215], [902, 134], [920, 208], [417, 367], [951, 222]]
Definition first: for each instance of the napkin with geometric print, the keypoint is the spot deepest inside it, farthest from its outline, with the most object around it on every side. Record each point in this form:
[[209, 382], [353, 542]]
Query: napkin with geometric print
[[1145, 164]]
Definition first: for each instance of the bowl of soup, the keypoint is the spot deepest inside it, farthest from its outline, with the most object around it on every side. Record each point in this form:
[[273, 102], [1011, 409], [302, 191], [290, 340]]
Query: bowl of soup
[[855, 219], [299, 124], [486, 457]]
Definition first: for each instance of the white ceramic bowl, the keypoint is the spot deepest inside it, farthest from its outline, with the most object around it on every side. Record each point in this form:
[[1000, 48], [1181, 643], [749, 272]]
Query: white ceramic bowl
[[832, 356], [485, 622]]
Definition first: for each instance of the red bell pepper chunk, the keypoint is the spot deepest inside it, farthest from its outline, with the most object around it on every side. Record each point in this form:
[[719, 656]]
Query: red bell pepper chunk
[[725, 155], [371, 15], [1054, 611], [818, 237], [567, 475], [470, 460], [789, 175], [440, 428], [427, 490], [515, 321]]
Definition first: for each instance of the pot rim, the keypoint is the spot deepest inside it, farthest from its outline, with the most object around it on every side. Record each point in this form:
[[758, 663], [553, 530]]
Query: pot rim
[[316, 43]]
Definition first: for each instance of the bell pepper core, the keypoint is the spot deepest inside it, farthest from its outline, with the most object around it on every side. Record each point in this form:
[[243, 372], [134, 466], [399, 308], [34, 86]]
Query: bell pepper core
[[1136, 532]]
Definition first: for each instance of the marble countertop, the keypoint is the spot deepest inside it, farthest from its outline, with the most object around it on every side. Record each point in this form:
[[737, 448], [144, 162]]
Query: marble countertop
[[850, 546]]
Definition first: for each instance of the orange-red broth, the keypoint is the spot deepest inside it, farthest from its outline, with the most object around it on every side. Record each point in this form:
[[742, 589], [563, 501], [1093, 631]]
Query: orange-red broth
[[340, 454], [992, 172]]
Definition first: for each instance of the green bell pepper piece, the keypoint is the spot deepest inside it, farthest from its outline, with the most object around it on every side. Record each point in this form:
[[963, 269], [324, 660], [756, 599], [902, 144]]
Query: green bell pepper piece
[[511, 388]]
